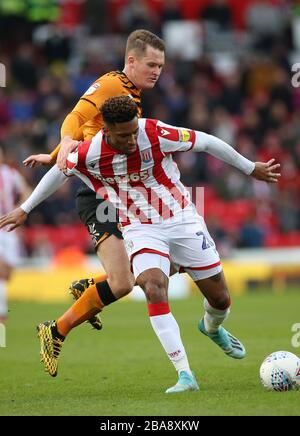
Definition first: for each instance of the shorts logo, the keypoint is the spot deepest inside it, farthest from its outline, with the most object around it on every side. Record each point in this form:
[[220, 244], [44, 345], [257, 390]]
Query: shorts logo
[[93, 232], [146, 156], [129, 245]]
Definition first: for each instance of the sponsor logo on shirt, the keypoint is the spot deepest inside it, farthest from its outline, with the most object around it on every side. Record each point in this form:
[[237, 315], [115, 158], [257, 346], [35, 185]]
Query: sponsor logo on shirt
[[126, 178], [92, 88], [163, 132]]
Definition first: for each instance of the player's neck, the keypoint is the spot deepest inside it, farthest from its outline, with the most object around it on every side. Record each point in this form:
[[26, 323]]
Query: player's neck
[[129, 76], [107, 140]]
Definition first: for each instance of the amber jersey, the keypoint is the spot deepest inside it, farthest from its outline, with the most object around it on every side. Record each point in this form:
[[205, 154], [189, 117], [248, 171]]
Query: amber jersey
[[112, 84], [85, 120]]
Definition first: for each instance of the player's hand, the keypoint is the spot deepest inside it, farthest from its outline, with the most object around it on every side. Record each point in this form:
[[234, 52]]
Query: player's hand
[[67, 145], [267, 171], [41, 159], [16, 218]]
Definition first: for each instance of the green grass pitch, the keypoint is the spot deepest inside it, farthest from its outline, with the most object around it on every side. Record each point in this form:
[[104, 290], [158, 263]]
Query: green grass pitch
[[123, 370]]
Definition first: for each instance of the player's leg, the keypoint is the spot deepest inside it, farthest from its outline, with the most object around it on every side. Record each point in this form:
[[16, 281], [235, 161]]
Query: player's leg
[[152, 272], [108, 242], [5, 272], [119, 282], [192, 245], [217, 308], [9, 258]]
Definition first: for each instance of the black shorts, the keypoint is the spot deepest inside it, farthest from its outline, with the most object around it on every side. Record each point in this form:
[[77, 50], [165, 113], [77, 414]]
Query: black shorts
[[86, 206]]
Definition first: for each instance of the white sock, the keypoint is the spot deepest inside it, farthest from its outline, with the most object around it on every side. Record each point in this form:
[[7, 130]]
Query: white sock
[[167, 331], [3, 305], [213, 318]]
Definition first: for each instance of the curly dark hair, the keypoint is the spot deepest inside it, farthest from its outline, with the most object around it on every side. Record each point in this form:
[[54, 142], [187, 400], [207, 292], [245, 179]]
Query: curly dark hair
[[119, 109]]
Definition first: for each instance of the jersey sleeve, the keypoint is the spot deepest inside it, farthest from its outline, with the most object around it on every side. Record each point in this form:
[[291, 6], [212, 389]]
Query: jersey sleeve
[[88, 107], [72, 162], [173, 138]]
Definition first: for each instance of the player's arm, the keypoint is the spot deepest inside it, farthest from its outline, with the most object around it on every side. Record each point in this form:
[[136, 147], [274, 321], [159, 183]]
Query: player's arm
[[71, 132], [86, 109], [181, 139], [265, 171], [52, 180]]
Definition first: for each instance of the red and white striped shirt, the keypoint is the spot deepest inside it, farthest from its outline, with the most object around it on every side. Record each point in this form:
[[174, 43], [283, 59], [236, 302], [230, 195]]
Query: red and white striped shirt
[[11, 184], [144, 186]]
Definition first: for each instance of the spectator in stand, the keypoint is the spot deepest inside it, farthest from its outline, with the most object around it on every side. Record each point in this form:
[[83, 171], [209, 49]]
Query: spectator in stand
[[23, 66], [219, 12], [266, 21], [288, 211], [137, 15], [251, 235], [262, 108], [170, 11]]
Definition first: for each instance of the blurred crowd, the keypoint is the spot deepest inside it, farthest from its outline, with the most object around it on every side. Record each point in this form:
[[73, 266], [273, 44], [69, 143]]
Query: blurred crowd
[[238, 88]]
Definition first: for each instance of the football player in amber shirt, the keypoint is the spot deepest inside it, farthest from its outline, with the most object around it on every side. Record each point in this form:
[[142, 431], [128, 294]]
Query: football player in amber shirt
[[144, 60]]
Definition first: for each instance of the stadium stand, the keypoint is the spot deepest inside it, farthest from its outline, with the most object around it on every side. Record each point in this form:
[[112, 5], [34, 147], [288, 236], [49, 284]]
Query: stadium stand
[[239, 89]]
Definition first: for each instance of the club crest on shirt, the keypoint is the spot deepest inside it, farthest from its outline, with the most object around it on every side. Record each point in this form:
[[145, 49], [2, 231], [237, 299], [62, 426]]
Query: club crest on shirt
[[146, 156]]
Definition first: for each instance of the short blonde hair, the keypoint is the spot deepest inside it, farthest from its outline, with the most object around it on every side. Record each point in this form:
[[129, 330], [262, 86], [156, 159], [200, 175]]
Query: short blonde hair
[[140, 39]]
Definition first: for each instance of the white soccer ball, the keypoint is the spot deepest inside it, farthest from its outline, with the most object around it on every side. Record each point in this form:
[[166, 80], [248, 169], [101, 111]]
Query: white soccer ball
[[280, 371]]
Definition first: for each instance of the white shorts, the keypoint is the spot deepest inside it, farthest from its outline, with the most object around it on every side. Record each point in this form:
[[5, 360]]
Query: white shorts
[[10, 249], [186, 243]]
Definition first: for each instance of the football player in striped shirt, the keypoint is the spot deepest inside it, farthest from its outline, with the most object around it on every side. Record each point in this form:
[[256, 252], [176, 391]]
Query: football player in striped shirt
[[130, 163]]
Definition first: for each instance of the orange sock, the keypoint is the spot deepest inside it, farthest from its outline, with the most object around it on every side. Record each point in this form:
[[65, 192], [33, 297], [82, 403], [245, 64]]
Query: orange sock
[[88, 305], [100, 278]]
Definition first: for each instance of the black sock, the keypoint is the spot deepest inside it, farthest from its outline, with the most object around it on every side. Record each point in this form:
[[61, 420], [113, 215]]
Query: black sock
[[56, 333], [105, 293]]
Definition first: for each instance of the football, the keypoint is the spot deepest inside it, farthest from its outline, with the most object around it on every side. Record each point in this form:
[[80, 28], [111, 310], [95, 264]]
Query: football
[[280, 371]]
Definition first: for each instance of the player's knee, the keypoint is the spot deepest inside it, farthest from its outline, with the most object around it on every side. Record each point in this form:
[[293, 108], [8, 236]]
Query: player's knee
[[5, 273], [155, 290], [221, 301]]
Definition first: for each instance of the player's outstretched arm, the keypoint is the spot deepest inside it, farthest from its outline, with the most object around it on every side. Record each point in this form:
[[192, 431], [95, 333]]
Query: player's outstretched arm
[[267, 171], [15, 219], [51, 181], [37, 159]]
